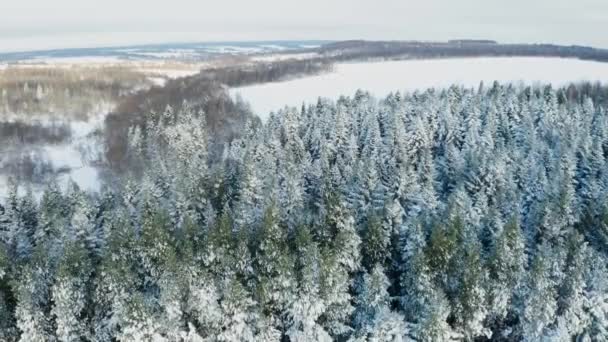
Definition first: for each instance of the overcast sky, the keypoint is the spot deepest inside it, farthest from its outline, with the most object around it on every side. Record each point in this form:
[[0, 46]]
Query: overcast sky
[[44, 24]]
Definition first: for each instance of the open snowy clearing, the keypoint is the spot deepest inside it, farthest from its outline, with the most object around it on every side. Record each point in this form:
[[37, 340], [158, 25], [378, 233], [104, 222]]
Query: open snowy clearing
[[285, 56], [381, 78], [72, 161], [170, 68]]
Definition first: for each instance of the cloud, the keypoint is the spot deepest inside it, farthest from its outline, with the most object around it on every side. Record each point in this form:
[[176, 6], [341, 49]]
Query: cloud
[[31, 23]]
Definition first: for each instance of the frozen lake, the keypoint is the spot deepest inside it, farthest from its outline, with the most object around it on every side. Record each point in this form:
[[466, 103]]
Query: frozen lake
[[381, 78]]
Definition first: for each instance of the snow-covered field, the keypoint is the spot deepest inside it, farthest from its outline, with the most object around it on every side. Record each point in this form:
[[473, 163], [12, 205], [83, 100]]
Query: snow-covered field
[[69, 61], [381, 78], [285, 56], [70, 161]]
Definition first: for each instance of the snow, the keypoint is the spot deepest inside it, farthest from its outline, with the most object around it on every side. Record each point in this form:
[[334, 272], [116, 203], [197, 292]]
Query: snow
[[75, 60], [249, 49], [171, 54], [234, 49], [309, 46], [86, 177], [154, 69], [282, 57], [172, 72], [381, 78], [63, 157], [273, 47], [71, 160], [76, 155], [158, 81]]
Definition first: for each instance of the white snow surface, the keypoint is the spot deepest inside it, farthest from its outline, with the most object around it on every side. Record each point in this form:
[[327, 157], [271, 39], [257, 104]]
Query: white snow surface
[[282, 57], [74, 158], [45, 61], [382, 78], [171, 54]]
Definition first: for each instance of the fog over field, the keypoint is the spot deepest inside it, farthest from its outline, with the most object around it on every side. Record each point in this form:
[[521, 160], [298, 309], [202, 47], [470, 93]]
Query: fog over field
[[384, 77]]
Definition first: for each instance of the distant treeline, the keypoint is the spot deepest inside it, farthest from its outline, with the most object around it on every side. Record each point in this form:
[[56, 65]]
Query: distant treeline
[[241, 75], [360, 49]]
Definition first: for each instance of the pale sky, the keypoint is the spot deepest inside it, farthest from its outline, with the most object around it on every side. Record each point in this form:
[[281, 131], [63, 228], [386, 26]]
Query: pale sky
[[46, 24]]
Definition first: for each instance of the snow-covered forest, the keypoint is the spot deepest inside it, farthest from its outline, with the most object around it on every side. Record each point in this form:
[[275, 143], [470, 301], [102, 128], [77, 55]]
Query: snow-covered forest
[[459, 214]]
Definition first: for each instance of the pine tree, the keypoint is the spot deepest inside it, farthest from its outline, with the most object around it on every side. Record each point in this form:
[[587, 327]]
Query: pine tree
[[33, 297], [433, 326], [373, 318], [203, 305], [118, 281], [540, 304], [307, 307], [596, 295], [69, 294], [84, 230], [251, 201], [470, 309], [273, 266], [172, 286], [335, 292], [375, 243], [51, 216], [7, 318], [345, 239], [219, 251], [571, 312], [139, 323], [506, 269], [239, 312]]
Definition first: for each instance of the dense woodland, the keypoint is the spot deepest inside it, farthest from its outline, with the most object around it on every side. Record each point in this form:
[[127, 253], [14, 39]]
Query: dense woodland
[[454, 214]]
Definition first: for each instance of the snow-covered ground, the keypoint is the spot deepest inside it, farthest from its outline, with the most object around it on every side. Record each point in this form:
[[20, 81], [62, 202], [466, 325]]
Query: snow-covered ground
[[167, 68], [68, 61], [173, 51], [381, 78], [171, 72], [157, 71], [70, 161], [172, 54], [285, 56]]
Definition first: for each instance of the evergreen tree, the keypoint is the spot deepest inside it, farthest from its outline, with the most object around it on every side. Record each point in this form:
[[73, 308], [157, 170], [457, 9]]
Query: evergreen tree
[[273, 265], [375, 243], [239, 312], [470, 308], [373, 318], [307, 307], [571, 312], [506, 269], [540, 304], [69, 294], [32, 311]]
